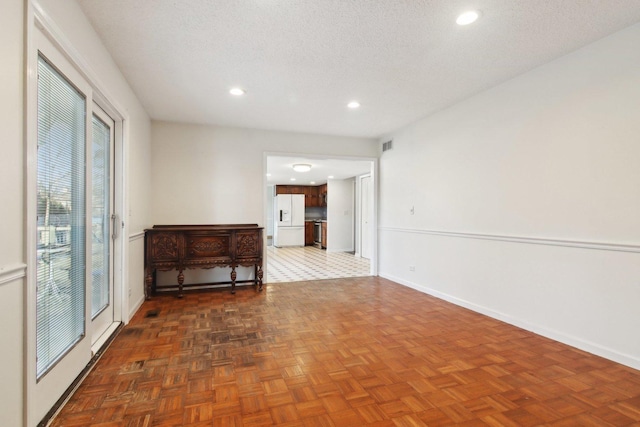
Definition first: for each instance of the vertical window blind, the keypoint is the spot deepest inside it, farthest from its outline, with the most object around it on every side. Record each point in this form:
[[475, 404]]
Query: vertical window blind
[[61, 217]]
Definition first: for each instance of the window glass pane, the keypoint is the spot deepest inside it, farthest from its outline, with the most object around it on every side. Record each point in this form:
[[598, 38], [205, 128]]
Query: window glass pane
[[61, 177], [100, 217]]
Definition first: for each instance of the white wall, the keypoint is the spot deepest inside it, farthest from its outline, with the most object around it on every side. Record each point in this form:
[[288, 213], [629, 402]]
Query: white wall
[[340, 215], [550, 155], [208, 175], [11, 212]]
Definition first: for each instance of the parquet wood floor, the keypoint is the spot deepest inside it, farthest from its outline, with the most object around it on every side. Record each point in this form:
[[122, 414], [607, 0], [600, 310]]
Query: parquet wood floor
[[346, 352]]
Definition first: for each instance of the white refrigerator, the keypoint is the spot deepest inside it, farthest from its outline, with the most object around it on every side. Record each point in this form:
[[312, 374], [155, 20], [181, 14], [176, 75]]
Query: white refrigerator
[[288, 220]]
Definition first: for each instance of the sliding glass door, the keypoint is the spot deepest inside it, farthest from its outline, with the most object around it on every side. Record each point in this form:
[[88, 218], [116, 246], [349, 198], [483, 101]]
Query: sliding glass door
[[73, 303]]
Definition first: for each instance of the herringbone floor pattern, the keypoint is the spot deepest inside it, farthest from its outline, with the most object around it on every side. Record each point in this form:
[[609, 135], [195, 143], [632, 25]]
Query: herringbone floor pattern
[[344, 352]]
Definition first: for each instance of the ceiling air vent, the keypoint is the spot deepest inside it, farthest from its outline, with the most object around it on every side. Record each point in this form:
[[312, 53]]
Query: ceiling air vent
[[387, 146]]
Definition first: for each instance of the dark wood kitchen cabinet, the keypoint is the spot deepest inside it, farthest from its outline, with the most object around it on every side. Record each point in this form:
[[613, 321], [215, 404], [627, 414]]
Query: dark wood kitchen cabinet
[[322, 195], [308, 233], [289, 189], [283, 189], [311, 193], [311, 199]]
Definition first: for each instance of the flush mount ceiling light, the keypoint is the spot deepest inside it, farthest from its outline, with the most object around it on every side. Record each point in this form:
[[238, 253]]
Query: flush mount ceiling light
[[353, 104], [292, 179], [330, 177], [302, 167], [237, 91], [467, 18]]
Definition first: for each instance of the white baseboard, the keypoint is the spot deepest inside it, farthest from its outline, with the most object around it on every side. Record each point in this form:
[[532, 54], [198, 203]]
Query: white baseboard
[[340, 250], [578, 343], [136, 307]]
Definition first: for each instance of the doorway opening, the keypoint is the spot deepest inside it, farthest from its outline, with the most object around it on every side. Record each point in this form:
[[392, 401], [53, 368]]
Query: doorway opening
[[314, 219]]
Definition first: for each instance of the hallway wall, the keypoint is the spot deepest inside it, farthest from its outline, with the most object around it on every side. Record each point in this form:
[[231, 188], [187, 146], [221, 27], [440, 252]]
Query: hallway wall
[[526, 200]]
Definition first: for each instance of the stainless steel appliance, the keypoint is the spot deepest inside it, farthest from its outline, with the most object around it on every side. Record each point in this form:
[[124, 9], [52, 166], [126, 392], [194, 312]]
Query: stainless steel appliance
[[317, 234]]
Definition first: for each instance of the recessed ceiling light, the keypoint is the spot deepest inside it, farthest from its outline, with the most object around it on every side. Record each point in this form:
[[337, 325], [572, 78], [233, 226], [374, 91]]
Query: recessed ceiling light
[[268, 174], [293, 179], [467, 18], [237, 91], [353, 104], [330, 177], [312, 182], [302, 167]]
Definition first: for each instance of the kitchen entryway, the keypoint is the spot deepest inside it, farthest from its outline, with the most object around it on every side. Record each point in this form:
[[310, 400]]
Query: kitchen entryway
[[310, 263]]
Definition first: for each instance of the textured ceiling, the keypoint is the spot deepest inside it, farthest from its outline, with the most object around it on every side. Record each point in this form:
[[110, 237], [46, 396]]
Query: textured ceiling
[[301, 61], [280, 170]]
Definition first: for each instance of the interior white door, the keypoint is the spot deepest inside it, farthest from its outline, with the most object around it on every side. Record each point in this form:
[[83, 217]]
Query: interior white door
[[365, 225]]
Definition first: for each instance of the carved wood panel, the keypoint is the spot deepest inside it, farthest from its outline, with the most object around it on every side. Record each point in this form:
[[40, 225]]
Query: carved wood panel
[[207, 246], [164, 246], [247, 245]]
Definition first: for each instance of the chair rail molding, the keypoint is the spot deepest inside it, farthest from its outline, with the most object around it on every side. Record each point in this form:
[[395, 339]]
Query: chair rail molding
[[136, 236], [13, 272], [603, 246]]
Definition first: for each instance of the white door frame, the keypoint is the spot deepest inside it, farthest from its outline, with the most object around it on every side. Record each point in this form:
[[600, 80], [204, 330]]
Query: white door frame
[[361, 225]]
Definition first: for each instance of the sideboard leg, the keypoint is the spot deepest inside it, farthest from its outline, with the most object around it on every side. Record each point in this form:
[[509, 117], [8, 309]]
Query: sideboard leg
[[180, 282], [148, 280], [259, 276], [233, 279]]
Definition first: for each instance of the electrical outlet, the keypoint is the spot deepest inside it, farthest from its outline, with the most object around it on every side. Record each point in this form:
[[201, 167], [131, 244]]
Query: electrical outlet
[[412, 268]]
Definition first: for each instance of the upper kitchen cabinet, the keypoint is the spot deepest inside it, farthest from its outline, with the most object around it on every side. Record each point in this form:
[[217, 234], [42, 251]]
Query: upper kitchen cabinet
[[283, 189], [322, 194], [290, 189], [312, 197]]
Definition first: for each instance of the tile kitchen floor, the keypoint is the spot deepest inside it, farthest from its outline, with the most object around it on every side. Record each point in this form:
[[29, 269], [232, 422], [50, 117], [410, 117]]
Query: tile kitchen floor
[[310, 263]]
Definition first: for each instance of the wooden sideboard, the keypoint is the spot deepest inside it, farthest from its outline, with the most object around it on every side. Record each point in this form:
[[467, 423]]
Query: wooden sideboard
[[179, 247]]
